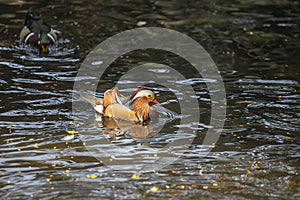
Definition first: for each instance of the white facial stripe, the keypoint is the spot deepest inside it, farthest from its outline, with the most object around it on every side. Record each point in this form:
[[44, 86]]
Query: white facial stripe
[[28, 36], [51, 37], [142, 93]]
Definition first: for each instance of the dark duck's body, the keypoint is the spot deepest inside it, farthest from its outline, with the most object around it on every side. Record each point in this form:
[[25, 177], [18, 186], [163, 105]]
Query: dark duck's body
[[37, 32]]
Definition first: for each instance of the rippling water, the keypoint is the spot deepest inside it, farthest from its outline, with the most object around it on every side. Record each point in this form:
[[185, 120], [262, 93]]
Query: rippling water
[[255, 45]]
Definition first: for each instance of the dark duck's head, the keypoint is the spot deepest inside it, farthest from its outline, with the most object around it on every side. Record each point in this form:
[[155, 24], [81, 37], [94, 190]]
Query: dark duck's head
[[31, 16]]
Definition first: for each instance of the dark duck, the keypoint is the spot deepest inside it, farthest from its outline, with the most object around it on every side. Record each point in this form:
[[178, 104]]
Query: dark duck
[[38, 33]]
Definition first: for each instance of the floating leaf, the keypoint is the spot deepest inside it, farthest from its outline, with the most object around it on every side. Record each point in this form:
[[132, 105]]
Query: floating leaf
[[36, 145], [72, 132], [136, 176], [91, 176], [248, 171], [154, 188]]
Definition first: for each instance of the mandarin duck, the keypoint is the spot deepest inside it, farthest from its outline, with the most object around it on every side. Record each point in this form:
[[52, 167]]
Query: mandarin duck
[[37, 32], [136, 108]]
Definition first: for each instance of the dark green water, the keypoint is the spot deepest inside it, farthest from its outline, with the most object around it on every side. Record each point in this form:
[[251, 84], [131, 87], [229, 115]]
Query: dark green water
[[255, 45]]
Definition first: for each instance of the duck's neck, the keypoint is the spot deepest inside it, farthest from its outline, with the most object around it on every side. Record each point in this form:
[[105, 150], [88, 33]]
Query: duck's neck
[[44, 37], [141, 107]]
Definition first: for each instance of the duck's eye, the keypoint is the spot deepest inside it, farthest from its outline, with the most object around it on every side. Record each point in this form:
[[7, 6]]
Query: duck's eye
[[149, 95]]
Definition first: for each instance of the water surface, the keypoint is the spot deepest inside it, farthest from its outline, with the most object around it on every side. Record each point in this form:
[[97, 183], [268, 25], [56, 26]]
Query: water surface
[[255, 45]]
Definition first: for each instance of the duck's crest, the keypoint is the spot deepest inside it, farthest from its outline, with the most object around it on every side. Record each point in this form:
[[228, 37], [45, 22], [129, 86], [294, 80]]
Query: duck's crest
[[135, 92]]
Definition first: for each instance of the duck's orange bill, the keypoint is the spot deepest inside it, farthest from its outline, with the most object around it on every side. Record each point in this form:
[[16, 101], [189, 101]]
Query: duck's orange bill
[[44, 48], [155, 101]]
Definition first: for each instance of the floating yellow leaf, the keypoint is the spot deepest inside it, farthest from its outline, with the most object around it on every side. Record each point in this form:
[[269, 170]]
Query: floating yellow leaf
[[215, 184], [71, 123], [8, 127], [36, 145], [288, 138], [154, 188], [136, 176], [91, 176], [205, 187], [248, 172], [72, 132]]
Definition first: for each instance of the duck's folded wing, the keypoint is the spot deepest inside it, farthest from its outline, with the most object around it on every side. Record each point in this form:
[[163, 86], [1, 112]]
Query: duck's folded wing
[[113, 96], [24, 32], [118, 95], [120, 111]]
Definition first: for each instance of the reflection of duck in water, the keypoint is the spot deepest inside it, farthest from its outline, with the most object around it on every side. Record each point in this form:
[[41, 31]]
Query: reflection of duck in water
[[125, 129], [38, 33], [137, 108]]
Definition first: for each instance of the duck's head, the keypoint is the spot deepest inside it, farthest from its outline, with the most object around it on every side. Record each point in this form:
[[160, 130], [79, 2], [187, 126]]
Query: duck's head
[[144, 93], [31, 15], [44, 43], [141, 101]]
